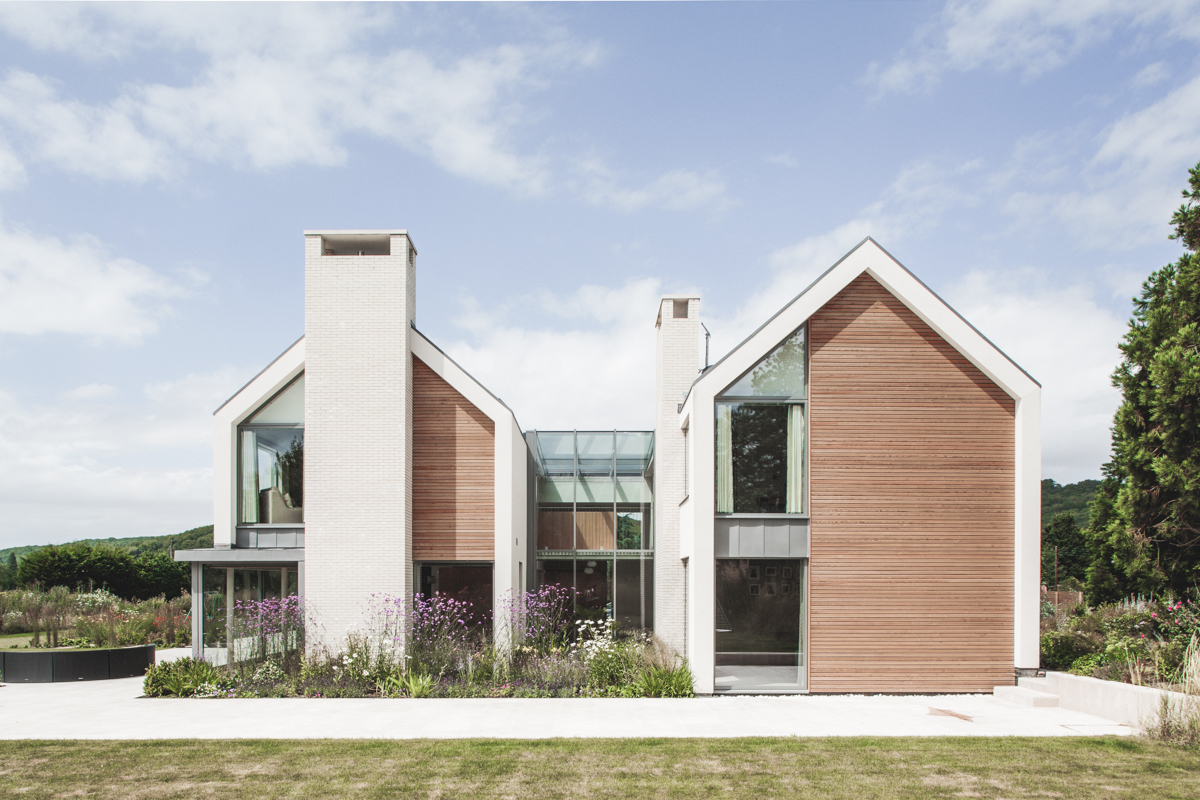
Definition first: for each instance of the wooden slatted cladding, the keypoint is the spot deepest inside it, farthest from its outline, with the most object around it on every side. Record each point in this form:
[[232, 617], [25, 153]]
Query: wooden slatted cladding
[[454, 516], [594, 529], [912, 506]]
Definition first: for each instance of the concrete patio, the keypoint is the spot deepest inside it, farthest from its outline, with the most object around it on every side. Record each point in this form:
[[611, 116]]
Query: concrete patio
[[115, 710]]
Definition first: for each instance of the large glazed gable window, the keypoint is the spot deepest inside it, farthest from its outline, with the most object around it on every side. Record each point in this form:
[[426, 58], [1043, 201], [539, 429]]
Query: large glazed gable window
[[782, 374], [761, 431], [271, 460]]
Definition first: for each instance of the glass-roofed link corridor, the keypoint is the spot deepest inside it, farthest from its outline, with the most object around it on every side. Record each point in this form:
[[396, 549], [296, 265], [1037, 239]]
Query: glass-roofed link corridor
[[593, 523]]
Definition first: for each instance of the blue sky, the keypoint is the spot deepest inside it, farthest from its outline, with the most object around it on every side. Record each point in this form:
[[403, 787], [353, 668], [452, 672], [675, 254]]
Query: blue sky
[[559, 167]]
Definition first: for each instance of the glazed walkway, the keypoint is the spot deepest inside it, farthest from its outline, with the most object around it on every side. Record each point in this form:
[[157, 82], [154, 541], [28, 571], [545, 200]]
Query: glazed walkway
[[115, 710]]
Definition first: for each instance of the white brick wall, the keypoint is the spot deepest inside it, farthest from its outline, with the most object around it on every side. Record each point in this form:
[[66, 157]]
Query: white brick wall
[[676, 367], [358, 418]]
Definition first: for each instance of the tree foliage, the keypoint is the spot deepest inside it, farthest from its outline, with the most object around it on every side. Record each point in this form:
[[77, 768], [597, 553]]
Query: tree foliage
[[1065, 550], [1145, 524], [85, 566]]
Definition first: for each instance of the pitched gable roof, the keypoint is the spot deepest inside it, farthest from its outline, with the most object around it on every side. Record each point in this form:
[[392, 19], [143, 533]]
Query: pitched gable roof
[[870, 258]]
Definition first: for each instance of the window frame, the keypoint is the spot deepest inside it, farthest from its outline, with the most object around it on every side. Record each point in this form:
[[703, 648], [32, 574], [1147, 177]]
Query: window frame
[[723, 398], [240, 471]]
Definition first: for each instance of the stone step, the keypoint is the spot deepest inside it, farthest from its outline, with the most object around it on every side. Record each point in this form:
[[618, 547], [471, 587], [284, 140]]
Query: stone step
[[1037, 684], [1023, 696]]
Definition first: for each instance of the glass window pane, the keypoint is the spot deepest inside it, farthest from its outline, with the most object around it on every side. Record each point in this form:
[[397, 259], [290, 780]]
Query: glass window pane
[[595, 452], [554, 530], [593, 588], [293, 583], [759, 624], [272, 466], [780, 374], [634, 449], [593, 528], [556, 573], [271, 580], [632, 527], [635, 594], [759, 458], [246, 586], [213, 607], [556, 449], [468, 584], [286, 408]]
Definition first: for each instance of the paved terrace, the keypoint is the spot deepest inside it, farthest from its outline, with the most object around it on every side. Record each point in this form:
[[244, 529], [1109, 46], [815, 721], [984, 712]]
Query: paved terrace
[[115, 710]]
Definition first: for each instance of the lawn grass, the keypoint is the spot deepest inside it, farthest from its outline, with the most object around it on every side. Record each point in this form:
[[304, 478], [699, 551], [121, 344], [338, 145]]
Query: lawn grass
[[21, 639], [569, 768]]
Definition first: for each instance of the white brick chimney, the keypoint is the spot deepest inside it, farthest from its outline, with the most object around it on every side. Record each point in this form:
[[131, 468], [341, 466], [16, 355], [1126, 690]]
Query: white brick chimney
[[676, 367], [359, 302]]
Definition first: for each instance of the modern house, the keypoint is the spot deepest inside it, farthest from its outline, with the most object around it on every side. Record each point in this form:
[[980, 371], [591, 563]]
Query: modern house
[[848, 501]]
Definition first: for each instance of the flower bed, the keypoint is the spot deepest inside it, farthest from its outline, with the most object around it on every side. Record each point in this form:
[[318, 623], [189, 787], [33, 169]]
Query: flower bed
[[435, 647], [1139, 641], [58, 617]]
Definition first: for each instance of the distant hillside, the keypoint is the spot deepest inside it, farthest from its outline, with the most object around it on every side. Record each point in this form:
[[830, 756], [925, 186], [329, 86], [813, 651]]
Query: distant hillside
[[136, 545], [1074, 498]]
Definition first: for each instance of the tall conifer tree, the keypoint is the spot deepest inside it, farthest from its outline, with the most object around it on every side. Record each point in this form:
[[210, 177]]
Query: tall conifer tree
[[1145, 524]]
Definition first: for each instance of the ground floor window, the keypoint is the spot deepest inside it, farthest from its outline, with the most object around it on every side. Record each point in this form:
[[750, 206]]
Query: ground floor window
[[620, 588], [222, 588], [468, 583], [761, 621]]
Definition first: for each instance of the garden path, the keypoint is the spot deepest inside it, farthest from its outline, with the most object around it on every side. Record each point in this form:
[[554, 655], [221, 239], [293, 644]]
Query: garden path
[[115, 710]]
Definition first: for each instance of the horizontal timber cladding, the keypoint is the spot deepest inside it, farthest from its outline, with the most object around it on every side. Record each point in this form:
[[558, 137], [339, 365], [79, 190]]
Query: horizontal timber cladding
[[912, 472], [454, 491], [593, 530]]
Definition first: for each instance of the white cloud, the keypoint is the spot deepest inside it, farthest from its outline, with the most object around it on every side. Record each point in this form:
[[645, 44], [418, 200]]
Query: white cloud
[[12, 171], [277, 86], [678, 190], [597, 370], [914, 203], [1027, 36], [1067, 341], [1123, 194], [92, 391], [87, 466], [100, 142], [51, 286], [1151, 74]]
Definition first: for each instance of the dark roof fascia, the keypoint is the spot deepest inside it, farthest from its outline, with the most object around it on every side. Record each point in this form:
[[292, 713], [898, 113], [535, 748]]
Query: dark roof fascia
[[260, 372], [820, 278]]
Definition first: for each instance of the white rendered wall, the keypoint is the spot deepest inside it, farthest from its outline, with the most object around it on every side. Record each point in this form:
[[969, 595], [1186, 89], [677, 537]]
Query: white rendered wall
[[358, 312], [676, 367]]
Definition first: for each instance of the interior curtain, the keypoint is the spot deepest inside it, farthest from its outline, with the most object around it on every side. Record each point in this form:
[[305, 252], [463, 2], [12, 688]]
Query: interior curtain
[[249, 476], [724, 458], [795, 460]]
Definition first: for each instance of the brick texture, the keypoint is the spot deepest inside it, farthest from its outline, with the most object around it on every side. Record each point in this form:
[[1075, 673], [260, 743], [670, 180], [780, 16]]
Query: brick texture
[[676, 367], [358, 419]]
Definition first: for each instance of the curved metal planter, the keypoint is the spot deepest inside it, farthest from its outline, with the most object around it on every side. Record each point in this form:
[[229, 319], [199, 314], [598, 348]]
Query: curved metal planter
[[68, 666]]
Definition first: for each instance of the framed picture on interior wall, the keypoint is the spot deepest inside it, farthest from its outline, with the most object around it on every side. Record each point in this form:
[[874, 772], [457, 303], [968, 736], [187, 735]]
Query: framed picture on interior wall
[[787, 572], [770, 588], [785, 588], [754, 589], [771, 571], [754, 573]]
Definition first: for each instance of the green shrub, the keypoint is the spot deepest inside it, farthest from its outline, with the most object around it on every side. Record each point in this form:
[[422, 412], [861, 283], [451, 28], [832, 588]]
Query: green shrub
[[666, 681], [1086, 665], [182, 678], [1061, 648]]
